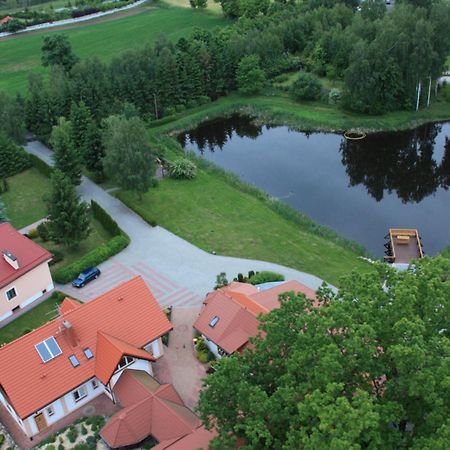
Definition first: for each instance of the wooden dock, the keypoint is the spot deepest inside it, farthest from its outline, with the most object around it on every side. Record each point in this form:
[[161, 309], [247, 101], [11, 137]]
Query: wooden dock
[[403, 246]]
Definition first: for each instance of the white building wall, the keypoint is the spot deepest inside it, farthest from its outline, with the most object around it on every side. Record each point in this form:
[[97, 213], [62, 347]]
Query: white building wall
[[139, 364], [213, 347], [11, 411], [155, 348], [91, 393]]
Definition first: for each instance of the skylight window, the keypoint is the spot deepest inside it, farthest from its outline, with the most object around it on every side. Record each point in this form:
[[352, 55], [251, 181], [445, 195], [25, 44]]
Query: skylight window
[[74, 360], [48, 349], [214, 321], [88, 353]]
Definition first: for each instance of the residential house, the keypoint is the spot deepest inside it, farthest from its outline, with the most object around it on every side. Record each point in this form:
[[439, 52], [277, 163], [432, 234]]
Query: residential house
[[6, 20], [229, 316], [80, 355], [24, 272]]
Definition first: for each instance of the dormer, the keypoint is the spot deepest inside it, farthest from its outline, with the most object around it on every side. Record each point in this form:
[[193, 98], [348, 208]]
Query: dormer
[[10, 259]]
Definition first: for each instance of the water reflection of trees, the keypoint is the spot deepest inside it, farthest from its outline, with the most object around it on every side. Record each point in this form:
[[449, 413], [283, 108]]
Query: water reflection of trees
[[215, 133], [401, 162]]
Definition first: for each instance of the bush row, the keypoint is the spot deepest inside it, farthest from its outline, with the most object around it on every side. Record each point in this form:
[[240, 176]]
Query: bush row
[[42, 166], [93, 258], [108, 223]]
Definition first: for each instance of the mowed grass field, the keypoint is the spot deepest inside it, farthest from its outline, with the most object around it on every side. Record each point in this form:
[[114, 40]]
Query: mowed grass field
[[21, 54]]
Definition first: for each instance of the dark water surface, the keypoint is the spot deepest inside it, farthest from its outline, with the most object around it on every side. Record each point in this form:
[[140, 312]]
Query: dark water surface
[[358, 188]]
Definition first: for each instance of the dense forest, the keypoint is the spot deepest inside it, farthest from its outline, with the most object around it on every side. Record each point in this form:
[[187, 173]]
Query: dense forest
[[383, 58]]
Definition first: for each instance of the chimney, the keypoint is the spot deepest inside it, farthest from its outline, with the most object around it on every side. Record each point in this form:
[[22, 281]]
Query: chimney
[[10, 259], [69, 333]]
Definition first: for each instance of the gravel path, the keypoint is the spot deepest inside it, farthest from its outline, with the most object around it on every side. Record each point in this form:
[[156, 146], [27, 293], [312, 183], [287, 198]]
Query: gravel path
[[155, 252]]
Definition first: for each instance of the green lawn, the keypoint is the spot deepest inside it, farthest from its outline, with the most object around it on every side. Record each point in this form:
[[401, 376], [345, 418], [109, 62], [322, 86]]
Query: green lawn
[[214, 215], [24, 201], [32, 319], [105, 39], [281, 109], [97, 236]]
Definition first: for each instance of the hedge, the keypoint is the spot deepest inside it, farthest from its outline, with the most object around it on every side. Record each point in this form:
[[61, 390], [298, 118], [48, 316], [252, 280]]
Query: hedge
[[42, 166], [265, 277], [93, 258], [109, 224]]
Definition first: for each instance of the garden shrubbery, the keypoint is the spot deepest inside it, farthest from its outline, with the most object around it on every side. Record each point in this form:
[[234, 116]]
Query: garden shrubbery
[[13, 159], [306, 87], [93, 258], [259, 277], [183, 168]]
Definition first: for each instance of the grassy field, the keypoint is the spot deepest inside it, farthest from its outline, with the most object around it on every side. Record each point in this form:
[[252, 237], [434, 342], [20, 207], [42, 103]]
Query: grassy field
[[280, 109], [214, 215], [24, 201], [32, 319], [104, 39]]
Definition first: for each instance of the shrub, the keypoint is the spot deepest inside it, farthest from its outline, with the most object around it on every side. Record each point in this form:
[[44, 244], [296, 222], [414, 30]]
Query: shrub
[[105, 219], [58, 256], [84, 430], [91, 442], [60, 447], [50, 447], [96, 422], [265, 277], [306, 87], [249, 75], [202, 357], [93, 258], [13, 159], [72, 434], [221, 280], [211, 356], [334, 96], [2, 439], [81, 446], [33, 233], [44, 231], [183, 168], [201, 346], [40, 165]]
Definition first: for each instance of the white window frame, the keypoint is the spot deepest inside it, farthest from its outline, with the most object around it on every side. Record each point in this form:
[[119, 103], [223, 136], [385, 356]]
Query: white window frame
[[129, 360], [15, 292], [50, 411], [81, 393], [94, 383]]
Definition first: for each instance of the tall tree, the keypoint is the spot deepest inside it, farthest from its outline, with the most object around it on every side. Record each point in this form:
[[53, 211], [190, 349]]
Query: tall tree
[[66, 157], [94, 151], [249, 75], [129, 160], [367, 369], [80, 118], [68, 219], [56, 50], [11, 117]]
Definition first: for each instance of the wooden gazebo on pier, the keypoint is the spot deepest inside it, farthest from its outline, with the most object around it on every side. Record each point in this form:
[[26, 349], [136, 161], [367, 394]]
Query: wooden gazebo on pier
[[403, 245]]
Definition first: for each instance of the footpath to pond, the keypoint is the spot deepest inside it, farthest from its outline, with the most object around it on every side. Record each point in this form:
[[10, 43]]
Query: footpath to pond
[[180, 273]]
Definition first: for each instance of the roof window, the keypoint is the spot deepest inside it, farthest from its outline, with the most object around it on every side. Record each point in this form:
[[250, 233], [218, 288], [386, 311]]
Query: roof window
[[74, 360], [214, 321], [48, 349], [88, 353]]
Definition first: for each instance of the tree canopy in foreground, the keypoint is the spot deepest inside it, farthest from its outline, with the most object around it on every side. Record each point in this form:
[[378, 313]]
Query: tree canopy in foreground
[[370, 369]]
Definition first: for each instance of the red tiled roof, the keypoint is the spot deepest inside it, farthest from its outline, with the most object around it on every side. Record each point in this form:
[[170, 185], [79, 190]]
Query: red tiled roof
[[199, 439], [67, 305], [6, 19], [128, 312], [28, 254], [109, 352], [237, 312], [150, 409]]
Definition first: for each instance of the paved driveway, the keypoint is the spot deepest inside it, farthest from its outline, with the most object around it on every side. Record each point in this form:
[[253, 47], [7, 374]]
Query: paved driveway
[[179, 273]]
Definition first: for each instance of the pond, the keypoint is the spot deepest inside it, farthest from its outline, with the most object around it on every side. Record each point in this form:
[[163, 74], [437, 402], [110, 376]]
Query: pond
[[359, 188]]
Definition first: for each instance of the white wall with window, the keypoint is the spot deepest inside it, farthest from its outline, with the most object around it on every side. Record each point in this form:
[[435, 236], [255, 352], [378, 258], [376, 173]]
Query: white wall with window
[[213, 347], [155, 348], [83, 394]]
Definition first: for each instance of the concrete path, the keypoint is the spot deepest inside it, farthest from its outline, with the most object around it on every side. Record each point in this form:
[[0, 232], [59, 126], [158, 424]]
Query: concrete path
[[182, 273], [32, 226], [179, 366]]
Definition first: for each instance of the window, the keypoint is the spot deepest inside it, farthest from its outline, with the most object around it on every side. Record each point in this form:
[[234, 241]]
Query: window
[[48, 349], [74, 360], [11, 294], [50, 411], [80, 393], [94, 384], [214, 321], [88, 353], [124, 362]]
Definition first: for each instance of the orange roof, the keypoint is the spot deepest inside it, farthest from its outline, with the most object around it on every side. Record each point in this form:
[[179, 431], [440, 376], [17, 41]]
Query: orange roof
[[199, 439], [68, 304], [237, 312], [29, 254], [128, 312], [150, 409], [109, 352], [6, 19]]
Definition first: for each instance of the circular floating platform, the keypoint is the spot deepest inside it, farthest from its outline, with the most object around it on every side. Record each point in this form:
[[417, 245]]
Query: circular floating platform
[[354, 135]]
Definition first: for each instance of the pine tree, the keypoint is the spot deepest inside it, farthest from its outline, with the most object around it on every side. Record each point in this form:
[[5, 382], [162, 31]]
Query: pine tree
[[80, 118], [66, 157], [68, 219], [94, 150]]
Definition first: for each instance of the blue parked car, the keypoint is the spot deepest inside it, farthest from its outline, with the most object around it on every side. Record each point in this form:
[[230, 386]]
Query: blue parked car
[[86, 276]]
